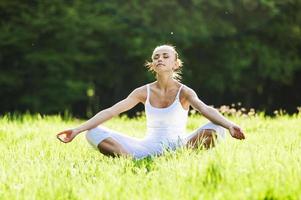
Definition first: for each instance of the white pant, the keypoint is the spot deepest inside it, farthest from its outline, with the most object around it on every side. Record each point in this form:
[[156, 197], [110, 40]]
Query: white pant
[[140, 148]]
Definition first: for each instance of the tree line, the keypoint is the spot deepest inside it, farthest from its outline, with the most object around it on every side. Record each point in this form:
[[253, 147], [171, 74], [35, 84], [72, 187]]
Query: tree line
[[83, 56]]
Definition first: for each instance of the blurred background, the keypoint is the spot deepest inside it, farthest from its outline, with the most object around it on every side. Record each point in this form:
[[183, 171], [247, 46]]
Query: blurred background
[[83, 56]]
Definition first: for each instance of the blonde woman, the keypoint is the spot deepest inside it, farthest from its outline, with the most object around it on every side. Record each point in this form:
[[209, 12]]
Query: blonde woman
[[167, 103]]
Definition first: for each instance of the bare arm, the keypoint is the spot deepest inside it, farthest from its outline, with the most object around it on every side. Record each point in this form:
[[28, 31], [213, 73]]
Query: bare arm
[[213, 115], [104, 115], [126, 104]]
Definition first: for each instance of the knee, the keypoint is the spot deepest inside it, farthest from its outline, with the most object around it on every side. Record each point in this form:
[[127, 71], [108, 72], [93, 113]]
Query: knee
[[90, 135], [209, 138], [208, 133], [218, 131], [95, 135]]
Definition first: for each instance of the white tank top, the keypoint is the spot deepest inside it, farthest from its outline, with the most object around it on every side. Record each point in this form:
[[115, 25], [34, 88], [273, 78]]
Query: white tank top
[[165, 123]]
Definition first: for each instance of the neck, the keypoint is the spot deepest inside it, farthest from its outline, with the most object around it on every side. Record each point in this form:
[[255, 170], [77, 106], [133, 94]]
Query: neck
[[165, 81]]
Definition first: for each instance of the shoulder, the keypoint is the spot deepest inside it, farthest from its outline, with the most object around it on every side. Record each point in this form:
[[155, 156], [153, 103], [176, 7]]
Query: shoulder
[[187, 96], [187, 92], [142, 90], [140, 93], [139, 90]]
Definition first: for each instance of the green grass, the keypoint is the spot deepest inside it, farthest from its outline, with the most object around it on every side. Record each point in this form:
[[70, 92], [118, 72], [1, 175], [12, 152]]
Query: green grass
[[35, 165]]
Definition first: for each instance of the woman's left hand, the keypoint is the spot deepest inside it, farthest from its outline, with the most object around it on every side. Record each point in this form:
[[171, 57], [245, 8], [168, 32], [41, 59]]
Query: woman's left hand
[[236, 132]]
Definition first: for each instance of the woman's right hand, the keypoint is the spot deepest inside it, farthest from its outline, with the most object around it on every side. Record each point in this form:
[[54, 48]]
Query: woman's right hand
[[67, 135]]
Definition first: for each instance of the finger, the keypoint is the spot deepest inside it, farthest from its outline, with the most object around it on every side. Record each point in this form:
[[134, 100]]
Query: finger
[[242, 134], [60, 138], [237, 136], [61, 133], [63, 138], [239, 133], [66, 133]]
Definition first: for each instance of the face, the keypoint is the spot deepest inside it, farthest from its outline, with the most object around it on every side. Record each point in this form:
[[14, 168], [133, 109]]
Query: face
[[164, 59]]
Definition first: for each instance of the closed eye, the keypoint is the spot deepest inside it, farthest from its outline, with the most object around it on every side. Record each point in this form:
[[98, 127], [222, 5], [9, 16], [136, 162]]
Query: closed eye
[[165, 55]]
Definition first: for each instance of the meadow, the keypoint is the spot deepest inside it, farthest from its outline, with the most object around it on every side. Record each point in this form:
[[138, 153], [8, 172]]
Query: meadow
[[35, 165]]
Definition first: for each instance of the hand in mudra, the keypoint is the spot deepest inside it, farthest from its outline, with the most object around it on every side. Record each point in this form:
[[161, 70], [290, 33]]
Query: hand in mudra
[[66, 136], [236, 132]]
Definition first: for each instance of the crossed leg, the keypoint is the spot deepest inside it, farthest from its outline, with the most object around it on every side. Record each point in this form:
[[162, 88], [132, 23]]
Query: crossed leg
[[111, 147], [100, 138], [205, 138]]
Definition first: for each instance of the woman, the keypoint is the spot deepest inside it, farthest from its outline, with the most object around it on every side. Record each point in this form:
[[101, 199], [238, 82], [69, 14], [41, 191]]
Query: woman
[[167, 102]]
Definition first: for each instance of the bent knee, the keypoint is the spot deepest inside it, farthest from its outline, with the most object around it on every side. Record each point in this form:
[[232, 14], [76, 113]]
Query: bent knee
[[209, 138], [219, 130], [96, 135], [209, 134], [90, 135]]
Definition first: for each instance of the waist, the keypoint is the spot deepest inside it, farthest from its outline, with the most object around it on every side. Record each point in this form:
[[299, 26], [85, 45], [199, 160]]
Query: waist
[[165, 132]]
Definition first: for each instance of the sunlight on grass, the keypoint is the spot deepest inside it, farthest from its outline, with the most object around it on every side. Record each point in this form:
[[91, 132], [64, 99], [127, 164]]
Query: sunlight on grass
[[35, 165]]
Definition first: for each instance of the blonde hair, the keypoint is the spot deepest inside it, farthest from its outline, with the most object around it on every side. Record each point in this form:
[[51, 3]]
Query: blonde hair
[[177, 72]]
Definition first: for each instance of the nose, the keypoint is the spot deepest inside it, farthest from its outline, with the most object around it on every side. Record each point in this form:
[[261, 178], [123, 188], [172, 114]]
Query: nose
[[160, 59]]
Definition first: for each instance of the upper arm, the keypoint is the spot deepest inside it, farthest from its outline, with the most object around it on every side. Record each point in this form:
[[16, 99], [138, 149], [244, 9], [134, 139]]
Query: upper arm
[[135, 97], [194, 100]]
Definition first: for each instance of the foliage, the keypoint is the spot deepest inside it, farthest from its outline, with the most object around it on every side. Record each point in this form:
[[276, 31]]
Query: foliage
[[53, 52]]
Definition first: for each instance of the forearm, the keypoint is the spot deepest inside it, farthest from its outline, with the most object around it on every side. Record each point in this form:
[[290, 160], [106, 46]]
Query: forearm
[[213, 115], [99, 118]]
